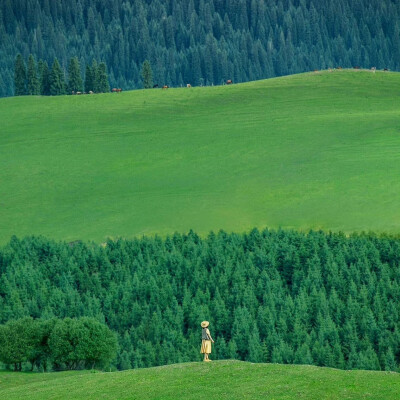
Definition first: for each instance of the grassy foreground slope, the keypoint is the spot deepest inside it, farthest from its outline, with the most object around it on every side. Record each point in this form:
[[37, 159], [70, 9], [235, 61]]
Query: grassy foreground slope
[[316, 150], [217, 381]]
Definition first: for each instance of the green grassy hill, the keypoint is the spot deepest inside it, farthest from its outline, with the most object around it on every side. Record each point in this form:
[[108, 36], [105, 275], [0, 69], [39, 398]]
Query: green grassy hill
[[316, 150], [215, 381]]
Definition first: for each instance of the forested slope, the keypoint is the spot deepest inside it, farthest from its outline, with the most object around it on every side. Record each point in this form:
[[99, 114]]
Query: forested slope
[[271, 296], [201, 41]]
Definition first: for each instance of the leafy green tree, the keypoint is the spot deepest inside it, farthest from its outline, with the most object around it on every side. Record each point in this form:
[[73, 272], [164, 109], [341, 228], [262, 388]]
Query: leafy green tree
[[17, 341], [99, 344], [63, 343], [40, 352], [81, 342], [33, 81], [147, 75], [20, 76]]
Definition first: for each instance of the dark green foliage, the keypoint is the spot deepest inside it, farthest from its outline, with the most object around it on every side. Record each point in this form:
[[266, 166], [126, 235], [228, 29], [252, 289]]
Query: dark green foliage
[[32, 76], [67, 343], [202, 42], [17, 341], [89, 79], [147, 75], [75, 83], [336, 305], [95, 77], [20, 76], [57, 80], [44, 78], [81, 342], [103, 86]]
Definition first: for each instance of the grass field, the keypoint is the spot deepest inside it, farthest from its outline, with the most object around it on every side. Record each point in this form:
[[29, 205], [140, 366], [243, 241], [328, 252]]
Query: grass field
[[315, 150], [217, 381]]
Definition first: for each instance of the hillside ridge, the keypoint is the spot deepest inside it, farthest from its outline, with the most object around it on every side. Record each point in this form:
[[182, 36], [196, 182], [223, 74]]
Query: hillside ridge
[[216, 380]]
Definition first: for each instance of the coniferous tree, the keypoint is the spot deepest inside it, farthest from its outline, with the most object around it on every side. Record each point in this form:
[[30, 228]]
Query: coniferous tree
[[57, 81], [124, 362], [20, 76], [103, 85], [95, 77], [75, 83], [89, 79], [147, 75], [255, 347], [390, 362], [44, 77], [32, 76]]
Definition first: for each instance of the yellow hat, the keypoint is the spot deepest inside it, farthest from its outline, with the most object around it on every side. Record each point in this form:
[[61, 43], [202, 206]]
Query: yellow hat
[[204, 324]]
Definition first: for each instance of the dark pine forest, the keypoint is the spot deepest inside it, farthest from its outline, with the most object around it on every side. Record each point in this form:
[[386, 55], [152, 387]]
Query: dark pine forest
[[201, 42], [270, 296]]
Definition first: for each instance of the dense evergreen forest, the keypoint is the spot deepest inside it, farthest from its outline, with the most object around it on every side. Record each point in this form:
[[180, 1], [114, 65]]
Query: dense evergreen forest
[[38, 78], [200, 41], [270, 296]]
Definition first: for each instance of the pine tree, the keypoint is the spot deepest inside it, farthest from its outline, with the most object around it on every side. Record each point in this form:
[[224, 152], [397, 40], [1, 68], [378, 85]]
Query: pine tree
[[57, 82], [95, 77], [124, 362], [390, 362], [20, 76], [303, 355], [103, 85], [89, 84], [255, 348], [147, 75], [33, 81], [44, 78], [75, 83], [232, 349]]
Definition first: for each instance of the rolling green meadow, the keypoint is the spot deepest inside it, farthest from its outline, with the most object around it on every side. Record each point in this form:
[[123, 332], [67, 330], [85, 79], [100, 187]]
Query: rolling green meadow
[[215, 381], [319, 150]]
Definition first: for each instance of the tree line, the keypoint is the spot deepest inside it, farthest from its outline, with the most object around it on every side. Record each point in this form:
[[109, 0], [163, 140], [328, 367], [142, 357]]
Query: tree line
[[201, 41], [68, 343], [270, 296], [39, 79]]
